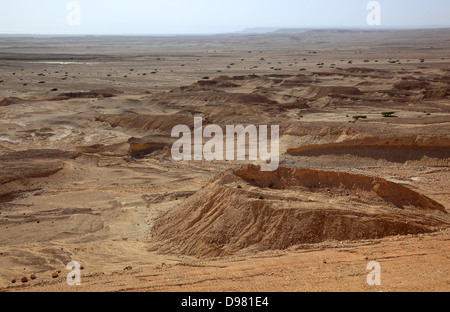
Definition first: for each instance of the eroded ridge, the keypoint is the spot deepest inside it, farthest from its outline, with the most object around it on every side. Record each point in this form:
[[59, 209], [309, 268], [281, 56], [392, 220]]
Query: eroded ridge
[[247, 209]]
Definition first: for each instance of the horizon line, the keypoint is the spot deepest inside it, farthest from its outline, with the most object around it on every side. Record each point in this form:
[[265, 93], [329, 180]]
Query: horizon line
[[245, 31]]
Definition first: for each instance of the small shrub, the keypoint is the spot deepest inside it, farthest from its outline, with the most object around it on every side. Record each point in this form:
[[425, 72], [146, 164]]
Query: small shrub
[[388, 114], [260, 197], [239, 186]]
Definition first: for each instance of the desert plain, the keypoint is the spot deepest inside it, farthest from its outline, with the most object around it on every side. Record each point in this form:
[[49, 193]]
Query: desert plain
[[87, 175]]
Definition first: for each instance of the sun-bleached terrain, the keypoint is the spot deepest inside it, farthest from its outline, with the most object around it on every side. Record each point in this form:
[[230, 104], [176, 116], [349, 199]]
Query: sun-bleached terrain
[[87, 173]]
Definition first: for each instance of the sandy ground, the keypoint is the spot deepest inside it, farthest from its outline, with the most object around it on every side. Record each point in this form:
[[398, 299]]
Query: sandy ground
[[86, 171]]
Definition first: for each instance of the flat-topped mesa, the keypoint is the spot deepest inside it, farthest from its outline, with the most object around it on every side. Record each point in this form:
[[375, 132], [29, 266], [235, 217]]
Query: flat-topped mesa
[[247, 210], [394, 193]]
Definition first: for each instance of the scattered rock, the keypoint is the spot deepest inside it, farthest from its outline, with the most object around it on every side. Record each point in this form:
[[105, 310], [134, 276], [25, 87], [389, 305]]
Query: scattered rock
[[24, 279]]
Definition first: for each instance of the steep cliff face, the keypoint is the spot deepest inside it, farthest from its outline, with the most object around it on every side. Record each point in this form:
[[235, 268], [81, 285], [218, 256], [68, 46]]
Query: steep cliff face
[[432, 151]]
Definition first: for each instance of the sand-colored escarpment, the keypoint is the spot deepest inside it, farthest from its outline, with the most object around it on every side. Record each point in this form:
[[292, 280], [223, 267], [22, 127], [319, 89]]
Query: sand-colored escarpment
[[247, 209], [430, 151], [19, 168]]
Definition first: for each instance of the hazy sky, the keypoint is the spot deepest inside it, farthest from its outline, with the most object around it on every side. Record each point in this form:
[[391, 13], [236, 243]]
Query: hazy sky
[[209, 16]]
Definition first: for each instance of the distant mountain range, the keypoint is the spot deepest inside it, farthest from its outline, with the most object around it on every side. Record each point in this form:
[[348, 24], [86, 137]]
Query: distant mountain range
[[281, 30], [258, 30]]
